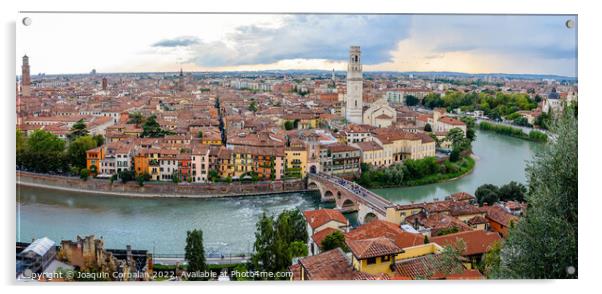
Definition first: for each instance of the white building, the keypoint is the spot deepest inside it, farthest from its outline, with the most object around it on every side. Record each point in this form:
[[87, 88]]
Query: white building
[[380, 114], [200, 163], [353, 99]]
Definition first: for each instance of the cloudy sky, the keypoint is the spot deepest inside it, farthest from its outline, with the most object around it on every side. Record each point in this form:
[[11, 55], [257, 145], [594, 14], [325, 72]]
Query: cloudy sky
[[77, 43]]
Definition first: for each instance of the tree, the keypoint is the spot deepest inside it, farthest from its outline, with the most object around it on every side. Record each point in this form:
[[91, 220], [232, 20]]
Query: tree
[[213, 175], [195, 255], [100, 140], [490, 262], [487, 193], [277, 241], [41, 152], [200, 135], [334, 240], [543, 244], [76, 152], [263, 258], [288, 125], [471, 126], [457, 139], [411, 100], [253, 106], [126, 175], [152, 129], [298, 249], [84, 174], [140, 180], [454, 155], [43, 141], [512, 191], [21, 148], [77, 130], [135, 118], [428, 128], [297, 223]]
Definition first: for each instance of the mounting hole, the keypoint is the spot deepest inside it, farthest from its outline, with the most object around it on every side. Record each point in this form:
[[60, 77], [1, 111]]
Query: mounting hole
[[26, 21], [569, 23]]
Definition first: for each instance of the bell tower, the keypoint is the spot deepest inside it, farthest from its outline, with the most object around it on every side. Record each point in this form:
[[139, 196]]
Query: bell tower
[[353, 100], [25, 77]]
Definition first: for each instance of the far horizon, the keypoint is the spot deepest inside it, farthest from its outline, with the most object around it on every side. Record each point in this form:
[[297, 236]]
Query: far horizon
[[467, 44], [307, 70]]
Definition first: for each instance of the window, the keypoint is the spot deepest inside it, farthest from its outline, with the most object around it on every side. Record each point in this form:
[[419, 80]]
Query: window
[[371, 260], [385, 258]]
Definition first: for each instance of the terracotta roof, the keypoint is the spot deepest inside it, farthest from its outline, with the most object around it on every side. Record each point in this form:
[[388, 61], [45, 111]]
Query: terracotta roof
[[428, 267], [451, 121], [437, 221], [476, 242], [316, 218], [461, 196], [472, 274], [341, 148], [329, 265], [381, 228], [366, 276], [369, 146], [477, 220], [497, 214], [374, 247]]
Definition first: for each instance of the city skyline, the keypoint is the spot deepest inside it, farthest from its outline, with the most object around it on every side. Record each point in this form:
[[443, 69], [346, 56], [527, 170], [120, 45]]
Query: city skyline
[[252, 42]]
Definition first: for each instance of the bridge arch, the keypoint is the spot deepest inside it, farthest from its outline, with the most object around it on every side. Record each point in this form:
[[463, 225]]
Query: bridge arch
[[328, 194], [370, 216], [312, 186], [347, 203]]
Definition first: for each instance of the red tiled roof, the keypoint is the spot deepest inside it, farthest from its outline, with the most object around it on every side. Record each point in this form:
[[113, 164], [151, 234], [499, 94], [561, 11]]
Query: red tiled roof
[[380, 228], [374, 247], [316, 218], [329, 265], [499, 215], [366, 276], [477, 220], [472, 274], [451, 121], [428, 267], [461, 196], [476, 242]]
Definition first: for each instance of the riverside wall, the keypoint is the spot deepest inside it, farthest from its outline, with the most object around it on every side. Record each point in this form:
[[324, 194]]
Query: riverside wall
[[157, 189]]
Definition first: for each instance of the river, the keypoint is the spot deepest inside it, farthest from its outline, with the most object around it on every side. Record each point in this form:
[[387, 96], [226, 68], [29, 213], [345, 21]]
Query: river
[[228, 224]]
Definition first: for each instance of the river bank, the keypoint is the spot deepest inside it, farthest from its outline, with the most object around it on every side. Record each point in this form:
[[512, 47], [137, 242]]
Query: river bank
[[533, 135], [158, 190], [464, 167]]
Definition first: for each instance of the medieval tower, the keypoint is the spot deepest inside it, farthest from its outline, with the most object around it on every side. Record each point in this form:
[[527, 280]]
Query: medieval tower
[[353, 100]]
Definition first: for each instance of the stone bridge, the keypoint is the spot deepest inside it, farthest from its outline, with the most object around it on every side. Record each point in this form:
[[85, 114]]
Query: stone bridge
[[349, 197]]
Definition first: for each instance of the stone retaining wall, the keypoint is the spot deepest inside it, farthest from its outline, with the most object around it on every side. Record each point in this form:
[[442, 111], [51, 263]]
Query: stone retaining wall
[[155, 189]]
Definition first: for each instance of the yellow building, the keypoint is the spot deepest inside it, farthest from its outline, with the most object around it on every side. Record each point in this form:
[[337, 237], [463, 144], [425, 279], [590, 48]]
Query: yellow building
[[374, 154], [296, 160], [374, 256], [419, 250], [397, 214]]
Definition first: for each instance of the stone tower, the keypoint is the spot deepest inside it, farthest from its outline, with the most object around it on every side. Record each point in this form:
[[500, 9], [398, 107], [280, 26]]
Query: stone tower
[[25, 77], [353, 100]]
